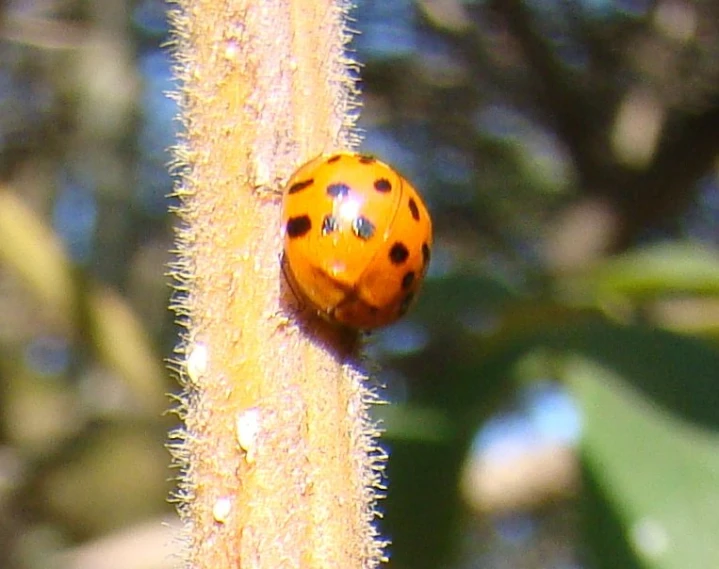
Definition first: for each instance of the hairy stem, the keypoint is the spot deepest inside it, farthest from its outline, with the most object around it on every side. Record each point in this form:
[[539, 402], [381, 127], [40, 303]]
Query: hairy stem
[[279, 461]]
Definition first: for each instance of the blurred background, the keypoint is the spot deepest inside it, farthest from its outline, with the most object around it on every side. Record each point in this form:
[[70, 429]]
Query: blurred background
[[555, 392]]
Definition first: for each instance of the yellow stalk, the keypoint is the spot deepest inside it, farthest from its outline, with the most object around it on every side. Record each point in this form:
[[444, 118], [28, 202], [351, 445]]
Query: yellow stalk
[[280, 464]]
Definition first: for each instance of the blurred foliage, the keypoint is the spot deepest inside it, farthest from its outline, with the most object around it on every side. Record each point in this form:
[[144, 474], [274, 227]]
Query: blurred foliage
[[568, 150]]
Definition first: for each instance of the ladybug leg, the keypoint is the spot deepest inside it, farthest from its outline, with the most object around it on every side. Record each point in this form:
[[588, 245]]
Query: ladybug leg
[[290, 281]]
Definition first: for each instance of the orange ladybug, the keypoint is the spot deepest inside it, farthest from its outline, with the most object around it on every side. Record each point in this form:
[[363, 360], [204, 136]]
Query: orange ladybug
[[357, 239]]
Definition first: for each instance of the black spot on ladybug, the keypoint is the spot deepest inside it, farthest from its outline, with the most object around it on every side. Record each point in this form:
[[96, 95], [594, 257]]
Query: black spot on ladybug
[[398, 253], [406, 303], [367, 159], [382, 185], [338, 190], [407, 280], [414, 210], [334, 159], [299, 186], [329, 224], [298, 226], [425, 254], [363, 228]]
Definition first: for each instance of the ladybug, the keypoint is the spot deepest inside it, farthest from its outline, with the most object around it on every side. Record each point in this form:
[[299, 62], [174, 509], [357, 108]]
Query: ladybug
[[357, 239]]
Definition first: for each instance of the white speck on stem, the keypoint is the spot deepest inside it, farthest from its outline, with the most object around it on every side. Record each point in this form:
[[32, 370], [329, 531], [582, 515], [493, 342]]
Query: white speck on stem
[[232, 49], [221, 510], [248, 427], [197, 362]]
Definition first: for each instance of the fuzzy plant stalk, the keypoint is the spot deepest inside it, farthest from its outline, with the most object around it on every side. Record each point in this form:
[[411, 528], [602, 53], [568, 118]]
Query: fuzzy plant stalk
[[279, 462]]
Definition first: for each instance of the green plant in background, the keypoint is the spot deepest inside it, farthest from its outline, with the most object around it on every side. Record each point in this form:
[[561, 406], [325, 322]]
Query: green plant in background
[[577, 172], [568, 153]]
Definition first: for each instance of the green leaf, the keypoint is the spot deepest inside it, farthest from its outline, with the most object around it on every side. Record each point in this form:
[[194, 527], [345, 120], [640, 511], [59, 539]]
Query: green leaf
[[656, 472], [668, 268], [449, 298]]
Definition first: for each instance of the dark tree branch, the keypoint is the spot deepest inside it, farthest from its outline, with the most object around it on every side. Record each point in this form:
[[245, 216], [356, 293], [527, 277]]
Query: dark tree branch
[[557, 92], [645, 198], [581, 107], [686, 153]]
